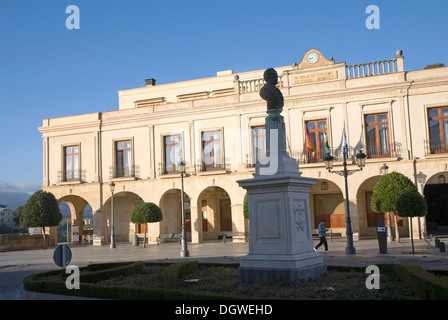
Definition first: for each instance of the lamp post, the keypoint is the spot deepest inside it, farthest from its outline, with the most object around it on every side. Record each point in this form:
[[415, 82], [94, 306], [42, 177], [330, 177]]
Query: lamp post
[[361, 160], [184, 251], [112, 235]]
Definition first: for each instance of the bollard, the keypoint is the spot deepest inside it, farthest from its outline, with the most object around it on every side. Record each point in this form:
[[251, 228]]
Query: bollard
[[381, 232], [442, 246], [135, 241], [437, 242]]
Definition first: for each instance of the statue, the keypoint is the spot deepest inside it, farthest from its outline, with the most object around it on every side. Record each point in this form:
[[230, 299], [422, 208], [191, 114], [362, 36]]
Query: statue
[[270, 92]]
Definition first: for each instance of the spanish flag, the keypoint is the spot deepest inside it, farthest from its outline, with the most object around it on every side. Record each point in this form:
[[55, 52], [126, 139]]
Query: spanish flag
[[309, 146]]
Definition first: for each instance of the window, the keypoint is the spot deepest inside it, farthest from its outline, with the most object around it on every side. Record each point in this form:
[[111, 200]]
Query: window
[[316, 136], [123, 159], [211, 150], [438, 129], [258, 143], [172, 153], [377, 135], [71, 163]]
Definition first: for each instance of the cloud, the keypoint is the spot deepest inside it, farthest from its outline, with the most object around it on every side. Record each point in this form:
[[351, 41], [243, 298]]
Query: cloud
[[19, 187]]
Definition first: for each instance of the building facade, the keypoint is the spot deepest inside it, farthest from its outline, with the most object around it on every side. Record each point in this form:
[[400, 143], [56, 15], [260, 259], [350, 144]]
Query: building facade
[[216, 125]]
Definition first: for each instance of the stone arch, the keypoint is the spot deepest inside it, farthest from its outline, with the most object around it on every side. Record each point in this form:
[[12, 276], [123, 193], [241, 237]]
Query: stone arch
[[124, 203], [171, 205], [76, 205], [327, 202], [368, 218], [215, 213], [435, 190]]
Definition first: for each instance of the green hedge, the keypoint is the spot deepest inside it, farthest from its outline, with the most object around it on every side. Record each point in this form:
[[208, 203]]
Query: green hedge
[[175, 271], [426, 285]]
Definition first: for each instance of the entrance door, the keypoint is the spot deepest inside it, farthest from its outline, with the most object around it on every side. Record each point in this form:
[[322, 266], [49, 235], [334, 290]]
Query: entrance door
[[226, 215]]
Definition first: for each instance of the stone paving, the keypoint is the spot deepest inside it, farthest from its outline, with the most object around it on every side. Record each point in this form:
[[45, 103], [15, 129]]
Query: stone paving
[[15, 265]]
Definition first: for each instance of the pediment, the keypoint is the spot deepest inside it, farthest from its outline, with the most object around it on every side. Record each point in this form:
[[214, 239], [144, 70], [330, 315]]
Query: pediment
[[314, 58]]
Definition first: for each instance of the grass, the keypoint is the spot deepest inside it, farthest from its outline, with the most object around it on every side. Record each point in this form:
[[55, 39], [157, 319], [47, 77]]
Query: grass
[[222, 280]]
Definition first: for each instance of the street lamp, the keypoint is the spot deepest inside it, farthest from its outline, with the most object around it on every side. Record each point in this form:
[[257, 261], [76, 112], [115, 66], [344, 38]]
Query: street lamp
[[361, 161], [184, 250], [384, 169], [112, 235]]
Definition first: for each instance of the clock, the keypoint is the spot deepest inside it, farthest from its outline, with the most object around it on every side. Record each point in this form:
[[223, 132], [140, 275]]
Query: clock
[[312, 57]]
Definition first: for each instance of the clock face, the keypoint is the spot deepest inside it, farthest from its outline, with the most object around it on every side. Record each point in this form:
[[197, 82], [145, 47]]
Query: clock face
[[312, 58]]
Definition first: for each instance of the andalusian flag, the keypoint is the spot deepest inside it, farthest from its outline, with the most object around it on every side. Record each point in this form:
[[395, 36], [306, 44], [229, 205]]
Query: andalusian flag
[[309, 146]]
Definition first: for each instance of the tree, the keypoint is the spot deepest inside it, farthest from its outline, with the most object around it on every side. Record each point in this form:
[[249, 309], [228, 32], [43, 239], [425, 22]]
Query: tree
[[40, 211], [246, 209], [18, 213], [387, 191], [144, 213], [434, 65], [411, 204]]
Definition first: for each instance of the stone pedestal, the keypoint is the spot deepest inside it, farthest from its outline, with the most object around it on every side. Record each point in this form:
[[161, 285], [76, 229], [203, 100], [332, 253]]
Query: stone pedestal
[[280, 241]]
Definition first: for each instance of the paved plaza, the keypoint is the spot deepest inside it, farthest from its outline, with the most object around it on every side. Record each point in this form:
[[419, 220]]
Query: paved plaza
[[16, 265]]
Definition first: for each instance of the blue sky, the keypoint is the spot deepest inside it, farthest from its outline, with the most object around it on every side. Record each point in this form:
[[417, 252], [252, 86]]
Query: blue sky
[[48, 71]]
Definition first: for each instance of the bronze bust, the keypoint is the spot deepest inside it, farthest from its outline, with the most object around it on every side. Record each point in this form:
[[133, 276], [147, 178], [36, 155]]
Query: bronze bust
[[270, 92]]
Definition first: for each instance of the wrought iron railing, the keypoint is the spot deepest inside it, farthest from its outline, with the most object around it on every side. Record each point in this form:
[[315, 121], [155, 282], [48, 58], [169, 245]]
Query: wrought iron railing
[[124, 172], [392, 150], [435, 146], [71, 176]]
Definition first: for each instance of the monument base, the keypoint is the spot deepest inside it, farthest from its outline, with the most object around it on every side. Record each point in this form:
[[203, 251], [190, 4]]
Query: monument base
[[296, 268]]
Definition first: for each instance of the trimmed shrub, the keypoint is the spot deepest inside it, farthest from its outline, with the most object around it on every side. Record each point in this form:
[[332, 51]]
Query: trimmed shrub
[[426, 285], [175, 271]]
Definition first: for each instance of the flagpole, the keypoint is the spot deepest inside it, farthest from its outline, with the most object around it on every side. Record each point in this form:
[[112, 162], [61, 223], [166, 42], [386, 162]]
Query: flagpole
[[350, 249]]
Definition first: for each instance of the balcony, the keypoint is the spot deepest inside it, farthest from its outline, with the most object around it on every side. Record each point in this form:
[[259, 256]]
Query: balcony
[[435, 146], [306, 157], [71, 177], [131, 172], [215, 167], [377, 152]]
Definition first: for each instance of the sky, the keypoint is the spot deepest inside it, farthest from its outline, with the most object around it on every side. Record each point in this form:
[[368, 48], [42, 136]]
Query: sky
[[48, 70]]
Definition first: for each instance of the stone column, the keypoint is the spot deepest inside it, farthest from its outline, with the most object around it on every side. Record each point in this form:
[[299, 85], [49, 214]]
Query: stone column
[[196, 224]]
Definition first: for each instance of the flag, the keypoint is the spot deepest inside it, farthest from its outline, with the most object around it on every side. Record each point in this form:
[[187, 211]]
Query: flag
[[345, 144], [327, 146], [309, 145]]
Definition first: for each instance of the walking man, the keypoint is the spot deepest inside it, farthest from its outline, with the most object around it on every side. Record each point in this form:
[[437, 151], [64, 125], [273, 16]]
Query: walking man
[[322, 231]]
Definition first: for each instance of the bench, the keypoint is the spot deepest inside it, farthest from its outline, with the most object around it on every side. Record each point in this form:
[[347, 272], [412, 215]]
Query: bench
[[230, 235], [169, 237]]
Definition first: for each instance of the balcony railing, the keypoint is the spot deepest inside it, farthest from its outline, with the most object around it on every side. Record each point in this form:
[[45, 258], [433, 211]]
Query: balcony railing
[[373, 68], [435, 146], [203, 167], [253, 85], [77, 176], [375, 152], [124, 172], [304, 156]]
